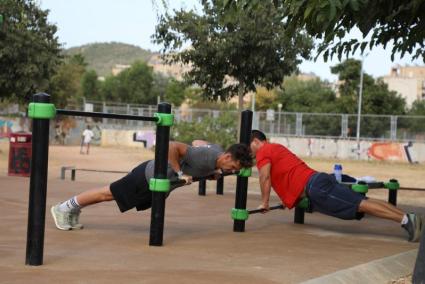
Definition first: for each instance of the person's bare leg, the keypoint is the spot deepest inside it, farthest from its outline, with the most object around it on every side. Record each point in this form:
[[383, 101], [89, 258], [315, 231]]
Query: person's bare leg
[[378, 209], [94, 196], [88, 148], [389, 206]]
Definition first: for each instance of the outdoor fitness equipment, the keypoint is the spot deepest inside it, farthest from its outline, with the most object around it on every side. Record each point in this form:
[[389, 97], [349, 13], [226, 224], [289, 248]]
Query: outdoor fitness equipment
[[41, 111]]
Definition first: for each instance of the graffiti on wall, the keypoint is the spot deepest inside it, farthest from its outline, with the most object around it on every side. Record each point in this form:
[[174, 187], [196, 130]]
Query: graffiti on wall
[[5, 128], [387, 151]]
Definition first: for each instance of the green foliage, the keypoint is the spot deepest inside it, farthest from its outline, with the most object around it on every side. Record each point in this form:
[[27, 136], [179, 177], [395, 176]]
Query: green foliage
[[232, 53], [376, 99], [132, 85], [386, 21], [306, 96], [65, 84], [102, 57], [90, 86], [29, 50], [175, 92], [221, 130]]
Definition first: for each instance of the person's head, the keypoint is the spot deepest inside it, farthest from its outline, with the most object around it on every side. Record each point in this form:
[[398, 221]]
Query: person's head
[[88, 127], [258, 139], [236, 157]]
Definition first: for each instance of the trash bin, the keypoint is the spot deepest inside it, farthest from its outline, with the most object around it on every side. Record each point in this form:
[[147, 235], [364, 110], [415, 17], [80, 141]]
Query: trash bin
[[20, 152]]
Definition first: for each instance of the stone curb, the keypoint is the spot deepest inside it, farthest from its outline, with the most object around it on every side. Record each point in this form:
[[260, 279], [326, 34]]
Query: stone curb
[[378, 271]]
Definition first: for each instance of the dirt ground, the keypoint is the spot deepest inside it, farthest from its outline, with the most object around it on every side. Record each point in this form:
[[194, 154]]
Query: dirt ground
[[199, 245]]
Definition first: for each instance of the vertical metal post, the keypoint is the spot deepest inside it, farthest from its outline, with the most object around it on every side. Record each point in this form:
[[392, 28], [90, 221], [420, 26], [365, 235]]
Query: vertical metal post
[[73, 170], [299, 215], [359, 109], [220, 183], [393, 127], [38, 186], [242, 182], [392, 196], [202, 190], [160, 172]]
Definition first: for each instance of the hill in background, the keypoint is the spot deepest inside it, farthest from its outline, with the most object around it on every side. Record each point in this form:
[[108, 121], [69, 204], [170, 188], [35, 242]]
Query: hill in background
[[102, 57]]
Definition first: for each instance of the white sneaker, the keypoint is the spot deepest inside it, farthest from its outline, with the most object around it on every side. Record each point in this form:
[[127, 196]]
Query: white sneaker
[[62, 219], [74, 218]]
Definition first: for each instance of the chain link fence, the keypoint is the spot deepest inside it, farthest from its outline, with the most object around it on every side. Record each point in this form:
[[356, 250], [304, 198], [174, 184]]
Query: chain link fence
[[327, 125]]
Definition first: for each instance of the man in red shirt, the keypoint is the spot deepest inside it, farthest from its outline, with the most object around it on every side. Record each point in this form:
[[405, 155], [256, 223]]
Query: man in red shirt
[[292, 179]]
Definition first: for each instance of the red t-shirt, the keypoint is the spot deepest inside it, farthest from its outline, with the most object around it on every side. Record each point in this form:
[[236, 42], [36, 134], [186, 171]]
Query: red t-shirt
[[288, 173]]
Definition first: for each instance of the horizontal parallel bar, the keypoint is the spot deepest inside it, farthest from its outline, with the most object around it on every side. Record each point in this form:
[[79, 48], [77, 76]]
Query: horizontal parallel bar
[[102, 171], [255, 211], [181, 182], [105, 115]]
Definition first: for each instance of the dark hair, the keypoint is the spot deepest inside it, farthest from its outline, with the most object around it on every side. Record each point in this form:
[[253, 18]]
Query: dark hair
[[242, 153], [258, 134]]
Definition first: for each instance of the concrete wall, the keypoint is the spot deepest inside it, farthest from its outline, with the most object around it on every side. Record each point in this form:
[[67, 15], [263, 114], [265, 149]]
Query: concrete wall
[[115, 137], [347, 149]]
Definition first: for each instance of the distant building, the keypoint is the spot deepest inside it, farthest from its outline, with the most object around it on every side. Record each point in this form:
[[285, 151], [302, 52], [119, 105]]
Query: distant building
[[408, 81], [174, 70], [118, 68]]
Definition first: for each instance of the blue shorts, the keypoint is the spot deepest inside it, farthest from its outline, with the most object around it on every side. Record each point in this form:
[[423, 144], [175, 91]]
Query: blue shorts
[[329, 197]]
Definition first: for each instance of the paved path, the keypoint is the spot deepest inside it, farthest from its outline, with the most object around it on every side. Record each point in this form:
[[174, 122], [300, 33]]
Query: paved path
[[199, 245]]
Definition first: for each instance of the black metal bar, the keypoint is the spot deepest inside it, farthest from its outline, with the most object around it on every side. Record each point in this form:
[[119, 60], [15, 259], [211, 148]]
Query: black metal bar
[[242, 182], [392, 196], [202, 187], [419, 270], [220, 184], [160, 172], [412, 188], [105, 115], [255, 211], [63, 171], [299, 215], [73, 174], [38, 186]]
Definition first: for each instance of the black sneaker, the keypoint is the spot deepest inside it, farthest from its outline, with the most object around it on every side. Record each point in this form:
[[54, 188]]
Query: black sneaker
[[413, 227]]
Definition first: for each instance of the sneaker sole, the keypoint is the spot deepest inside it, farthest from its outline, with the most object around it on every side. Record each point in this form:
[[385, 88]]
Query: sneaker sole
[[52, 211]]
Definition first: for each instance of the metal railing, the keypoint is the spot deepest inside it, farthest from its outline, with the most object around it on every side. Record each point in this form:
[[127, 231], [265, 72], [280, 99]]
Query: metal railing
[[299, 124]]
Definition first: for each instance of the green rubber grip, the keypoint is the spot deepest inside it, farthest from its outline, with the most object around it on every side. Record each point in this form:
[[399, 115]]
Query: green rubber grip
[[392, 184], [245, 172], [41, 110], [304, 203], [240, 214], [164, 119], [159, 185], [360, 187]]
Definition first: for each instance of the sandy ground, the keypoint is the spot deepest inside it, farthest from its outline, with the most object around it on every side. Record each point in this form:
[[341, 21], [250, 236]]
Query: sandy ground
[[199, 245]]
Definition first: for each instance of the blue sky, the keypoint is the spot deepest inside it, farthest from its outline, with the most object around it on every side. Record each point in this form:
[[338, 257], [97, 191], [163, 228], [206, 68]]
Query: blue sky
[[133, 22]]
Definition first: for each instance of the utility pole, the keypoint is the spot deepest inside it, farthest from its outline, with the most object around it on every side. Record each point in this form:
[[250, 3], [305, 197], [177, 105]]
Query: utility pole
[[359, 109]]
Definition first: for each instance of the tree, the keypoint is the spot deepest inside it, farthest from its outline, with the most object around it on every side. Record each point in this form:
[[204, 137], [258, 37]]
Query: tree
[[231, 54], [29, 50], [386, 21], [376, 98], [312, 96], [132, 85], [175, 92], [65, 85], [90, 86]]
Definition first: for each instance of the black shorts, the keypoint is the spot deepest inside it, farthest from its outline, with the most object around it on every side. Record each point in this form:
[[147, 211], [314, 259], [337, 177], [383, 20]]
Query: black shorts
[[132, 190], [329, 197]]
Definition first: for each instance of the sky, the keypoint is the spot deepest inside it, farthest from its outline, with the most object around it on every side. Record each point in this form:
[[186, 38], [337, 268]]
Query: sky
[[133, 22]]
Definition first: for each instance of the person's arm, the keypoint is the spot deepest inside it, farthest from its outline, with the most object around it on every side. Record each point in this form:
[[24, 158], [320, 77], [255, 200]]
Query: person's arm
[[176, 151], [265, 185]]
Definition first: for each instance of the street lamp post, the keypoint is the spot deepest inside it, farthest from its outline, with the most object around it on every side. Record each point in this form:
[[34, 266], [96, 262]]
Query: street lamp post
[[279, 108], [359, 109]]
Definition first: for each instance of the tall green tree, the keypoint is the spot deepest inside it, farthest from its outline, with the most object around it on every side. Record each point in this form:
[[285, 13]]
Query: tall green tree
[[380, 22], [132, 85], [29, 50], [65, 85], [231, 54], [90, 86], [376, 99]]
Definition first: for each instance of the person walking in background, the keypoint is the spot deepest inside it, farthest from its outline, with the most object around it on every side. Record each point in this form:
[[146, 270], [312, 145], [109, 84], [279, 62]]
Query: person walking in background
[[86, 138]]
